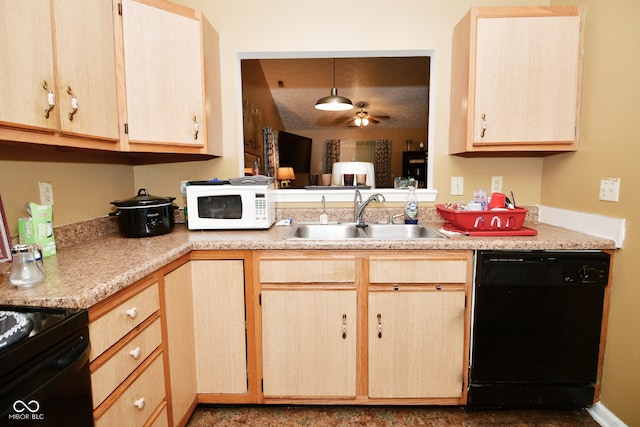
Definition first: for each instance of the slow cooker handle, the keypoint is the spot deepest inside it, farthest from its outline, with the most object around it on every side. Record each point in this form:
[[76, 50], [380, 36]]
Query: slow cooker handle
[[115, 213]]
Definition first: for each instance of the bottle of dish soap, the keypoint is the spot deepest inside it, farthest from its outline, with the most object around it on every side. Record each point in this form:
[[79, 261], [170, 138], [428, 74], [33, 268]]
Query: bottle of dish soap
[[411, 208]]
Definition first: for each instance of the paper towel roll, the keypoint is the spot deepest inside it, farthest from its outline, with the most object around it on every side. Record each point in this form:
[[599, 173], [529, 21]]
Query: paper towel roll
[[340, 168]]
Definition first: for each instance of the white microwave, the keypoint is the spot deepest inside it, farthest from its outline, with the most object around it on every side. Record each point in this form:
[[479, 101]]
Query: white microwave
[[213, 206]]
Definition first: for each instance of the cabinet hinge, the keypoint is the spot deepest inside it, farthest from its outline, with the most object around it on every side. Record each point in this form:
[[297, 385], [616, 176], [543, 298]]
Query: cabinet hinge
[[126, 128], [262, 384], [119, 8], [260, 299]]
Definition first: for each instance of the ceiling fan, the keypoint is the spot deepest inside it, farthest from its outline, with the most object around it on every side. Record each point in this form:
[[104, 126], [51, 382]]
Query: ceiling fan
[[363, 118]]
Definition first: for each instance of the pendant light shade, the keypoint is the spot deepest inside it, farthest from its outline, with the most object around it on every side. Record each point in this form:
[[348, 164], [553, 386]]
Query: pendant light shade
[[334, 102]]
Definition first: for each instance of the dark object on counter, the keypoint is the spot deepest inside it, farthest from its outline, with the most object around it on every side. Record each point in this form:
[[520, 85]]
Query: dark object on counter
[[536, 328], [144, 215], [44, 375]]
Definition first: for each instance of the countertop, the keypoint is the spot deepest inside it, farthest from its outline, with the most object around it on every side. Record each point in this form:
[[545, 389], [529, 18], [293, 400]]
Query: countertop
[[84, 274]]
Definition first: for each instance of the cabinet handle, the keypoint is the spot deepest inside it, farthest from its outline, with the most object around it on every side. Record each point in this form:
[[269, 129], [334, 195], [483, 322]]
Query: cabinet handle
[[196, 127], [74, 103], [135, 353], [379, 325], [132, 312], [139, 403], [51, 99], [484, 125], [344, 326]]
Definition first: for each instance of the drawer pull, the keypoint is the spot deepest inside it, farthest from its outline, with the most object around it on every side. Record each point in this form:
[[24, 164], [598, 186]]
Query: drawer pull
[[139, 403], [379, 325], [344, 326], [135, 353], [132, 312]]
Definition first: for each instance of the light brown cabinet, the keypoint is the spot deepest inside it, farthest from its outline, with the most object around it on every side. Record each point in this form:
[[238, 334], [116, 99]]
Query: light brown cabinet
[[126, 359], [416, 317], [178, 312], [380, 326], [108, 75], [164, 76], [63, 81], [516, 80]]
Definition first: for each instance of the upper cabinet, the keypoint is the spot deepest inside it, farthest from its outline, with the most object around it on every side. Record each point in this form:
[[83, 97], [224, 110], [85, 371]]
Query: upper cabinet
[[63, 80], [165, 77], [132, 76], [516, 78]]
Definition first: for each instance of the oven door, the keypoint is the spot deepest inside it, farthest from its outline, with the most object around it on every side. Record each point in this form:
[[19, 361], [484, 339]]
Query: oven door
[[53, 389]]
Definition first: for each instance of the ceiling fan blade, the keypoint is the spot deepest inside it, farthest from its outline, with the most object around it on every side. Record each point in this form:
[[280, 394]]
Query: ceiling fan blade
[[372, 120], [380, 117]]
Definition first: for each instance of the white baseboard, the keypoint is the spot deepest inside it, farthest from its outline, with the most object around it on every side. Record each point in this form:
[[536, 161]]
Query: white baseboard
[[596, 225], [605, 417]]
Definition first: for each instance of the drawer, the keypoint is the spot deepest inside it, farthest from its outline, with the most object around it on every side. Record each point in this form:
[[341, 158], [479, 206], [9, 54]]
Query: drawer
[[330, 270], [108, 329], [131, 354], [417, 270], [139, 400], [162, 420]]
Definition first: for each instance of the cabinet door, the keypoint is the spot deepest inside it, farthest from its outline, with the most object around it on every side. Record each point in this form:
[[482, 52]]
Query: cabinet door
[[164, 74], [180, 340], [219, 313], [309, 343], [85, 63], [26, 61], [527, 80], [416, 344]]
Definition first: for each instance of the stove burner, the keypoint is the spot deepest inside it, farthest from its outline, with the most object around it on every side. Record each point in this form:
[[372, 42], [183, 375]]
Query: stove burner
[[13, 327]]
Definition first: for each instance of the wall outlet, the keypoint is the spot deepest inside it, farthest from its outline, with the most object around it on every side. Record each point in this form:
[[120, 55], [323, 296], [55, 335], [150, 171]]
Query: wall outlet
[[496, 184], [610, 189], [46, 193], [457, 185]]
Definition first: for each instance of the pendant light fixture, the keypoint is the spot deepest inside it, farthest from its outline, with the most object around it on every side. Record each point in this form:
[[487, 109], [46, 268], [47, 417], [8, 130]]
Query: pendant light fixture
[[334, 102]]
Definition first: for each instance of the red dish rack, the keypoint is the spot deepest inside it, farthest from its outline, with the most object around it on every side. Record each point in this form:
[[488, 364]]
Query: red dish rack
[[491, 221]]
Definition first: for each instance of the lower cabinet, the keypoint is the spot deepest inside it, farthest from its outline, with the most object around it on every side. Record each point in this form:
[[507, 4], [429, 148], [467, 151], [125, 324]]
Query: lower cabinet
[[416, 343], [309, 343], [366, 327], [126, 360]]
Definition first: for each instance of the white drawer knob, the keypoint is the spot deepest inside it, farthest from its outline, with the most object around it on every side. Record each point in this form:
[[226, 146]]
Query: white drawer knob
[[135, 353], [139, 403], [132, 312]]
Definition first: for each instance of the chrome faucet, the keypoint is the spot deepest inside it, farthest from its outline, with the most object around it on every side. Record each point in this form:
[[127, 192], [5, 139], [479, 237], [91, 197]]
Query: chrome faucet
[[359, 206]]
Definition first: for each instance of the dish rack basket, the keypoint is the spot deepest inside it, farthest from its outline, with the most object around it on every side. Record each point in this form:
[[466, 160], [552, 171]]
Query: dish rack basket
[[489, 220]]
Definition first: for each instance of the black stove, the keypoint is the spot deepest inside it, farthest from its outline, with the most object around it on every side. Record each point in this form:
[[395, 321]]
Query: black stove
[[44, 367]]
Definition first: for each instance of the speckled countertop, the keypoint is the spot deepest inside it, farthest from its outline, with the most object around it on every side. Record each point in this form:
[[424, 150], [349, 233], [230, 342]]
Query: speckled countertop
[[83, 274]]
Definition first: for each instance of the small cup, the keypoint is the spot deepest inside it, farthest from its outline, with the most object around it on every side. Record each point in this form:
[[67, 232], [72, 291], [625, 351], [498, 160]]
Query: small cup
[[497, 200], [313, 179], [361, 179], [348, 179], [326, 179], [336, 180]]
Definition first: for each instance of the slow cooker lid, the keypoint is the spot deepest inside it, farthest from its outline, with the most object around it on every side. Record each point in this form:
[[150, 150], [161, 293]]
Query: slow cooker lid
[[143, 200]]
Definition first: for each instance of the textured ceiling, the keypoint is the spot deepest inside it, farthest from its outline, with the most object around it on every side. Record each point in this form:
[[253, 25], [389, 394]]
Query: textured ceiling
[[397, 87]]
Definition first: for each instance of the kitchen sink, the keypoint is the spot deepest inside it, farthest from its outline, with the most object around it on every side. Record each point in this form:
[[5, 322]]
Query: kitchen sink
[[371, 231]]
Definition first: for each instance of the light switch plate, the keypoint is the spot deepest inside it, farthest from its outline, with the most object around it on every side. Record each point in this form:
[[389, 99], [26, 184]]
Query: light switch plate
[[496, 184], [457, 186]]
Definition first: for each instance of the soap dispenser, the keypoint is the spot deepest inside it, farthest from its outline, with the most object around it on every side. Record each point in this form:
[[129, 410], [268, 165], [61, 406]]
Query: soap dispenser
[[411, 208]]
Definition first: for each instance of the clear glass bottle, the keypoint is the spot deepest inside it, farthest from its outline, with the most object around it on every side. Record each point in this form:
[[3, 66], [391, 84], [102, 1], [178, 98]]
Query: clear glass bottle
[[27, 269]]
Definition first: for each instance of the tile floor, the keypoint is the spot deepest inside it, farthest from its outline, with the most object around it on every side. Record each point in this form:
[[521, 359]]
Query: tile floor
[[382, 416]]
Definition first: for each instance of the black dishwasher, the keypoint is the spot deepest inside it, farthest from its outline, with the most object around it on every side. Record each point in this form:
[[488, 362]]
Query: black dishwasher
[[537, 320]]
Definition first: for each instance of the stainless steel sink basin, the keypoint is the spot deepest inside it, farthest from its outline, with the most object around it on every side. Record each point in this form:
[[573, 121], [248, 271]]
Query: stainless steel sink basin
[[371, 231]]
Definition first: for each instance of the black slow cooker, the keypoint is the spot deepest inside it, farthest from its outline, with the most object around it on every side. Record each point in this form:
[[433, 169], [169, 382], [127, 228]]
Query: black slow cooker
[[144, 215]]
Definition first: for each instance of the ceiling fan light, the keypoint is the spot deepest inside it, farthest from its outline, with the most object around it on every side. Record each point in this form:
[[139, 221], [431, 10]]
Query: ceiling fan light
[[365, 121], [358, 121], [334, 102]]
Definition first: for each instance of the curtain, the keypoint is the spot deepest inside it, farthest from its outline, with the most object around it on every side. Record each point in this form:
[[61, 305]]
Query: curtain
[[383, 163], [271, 158], [331, 154]]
